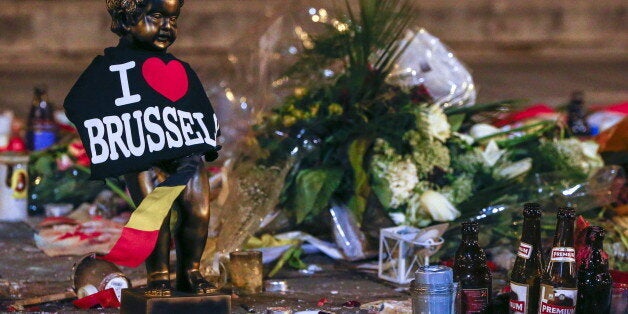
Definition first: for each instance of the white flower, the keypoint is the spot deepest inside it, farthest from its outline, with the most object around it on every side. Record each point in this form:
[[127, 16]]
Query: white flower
[[466, 138], [438, 126], [403, 178], [437, 206], [398, 218], [589, 149], [515, 169], [492, 153], [482, 130]]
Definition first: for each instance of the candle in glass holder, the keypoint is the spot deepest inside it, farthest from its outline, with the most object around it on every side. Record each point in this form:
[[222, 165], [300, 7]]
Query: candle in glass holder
[[246, 270]]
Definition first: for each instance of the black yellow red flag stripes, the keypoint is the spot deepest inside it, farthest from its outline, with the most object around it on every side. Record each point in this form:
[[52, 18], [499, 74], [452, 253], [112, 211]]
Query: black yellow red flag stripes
[[139, 235]]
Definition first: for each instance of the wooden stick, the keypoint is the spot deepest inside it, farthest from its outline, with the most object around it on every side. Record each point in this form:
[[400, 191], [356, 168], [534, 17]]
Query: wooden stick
[[43, 299]]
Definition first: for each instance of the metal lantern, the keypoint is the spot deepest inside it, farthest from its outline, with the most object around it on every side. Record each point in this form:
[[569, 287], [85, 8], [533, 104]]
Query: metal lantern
[[403, 249]]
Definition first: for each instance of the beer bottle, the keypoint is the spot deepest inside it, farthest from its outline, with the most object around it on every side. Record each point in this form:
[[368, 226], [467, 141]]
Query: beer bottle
[[576, 120], [41, 126], [559, 286], [525, 278], [471, 272], [594, 279]]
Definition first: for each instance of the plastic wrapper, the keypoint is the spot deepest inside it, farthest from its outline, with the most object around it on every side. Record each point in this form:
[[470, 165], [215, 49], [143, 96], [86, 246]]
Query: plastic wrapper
[[500, 223], [347, 234], [264, 77], [428, 62]]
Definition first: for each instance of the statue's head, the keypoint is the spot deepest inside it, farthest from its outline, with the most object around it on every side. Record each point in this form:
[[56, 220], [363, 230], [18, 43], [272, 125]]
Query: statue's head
[[148, 24]]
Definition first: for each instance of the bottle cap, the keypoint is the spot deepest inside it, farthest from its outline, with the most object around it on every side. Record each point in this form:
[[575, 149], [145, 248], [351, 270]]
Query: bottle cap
[[566, 212], [532, 210], [434, 275], [470, 227], [86, 290]]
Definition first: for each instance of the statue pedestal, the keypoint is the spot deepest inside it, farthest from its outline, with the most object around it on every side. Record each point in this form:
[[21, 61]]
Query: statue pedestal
[[135, 302]]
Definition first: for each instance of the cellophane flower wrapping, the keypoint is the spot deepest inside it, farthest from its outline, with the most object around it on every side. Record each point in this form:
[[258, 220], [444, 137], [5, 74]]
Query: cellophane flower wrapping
[[376, 113]]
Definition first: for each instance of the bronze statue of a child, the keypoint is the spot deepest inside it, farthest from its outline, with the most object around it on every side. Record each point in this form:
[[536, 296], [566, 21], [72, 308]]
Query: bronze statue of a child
[[151, 25]]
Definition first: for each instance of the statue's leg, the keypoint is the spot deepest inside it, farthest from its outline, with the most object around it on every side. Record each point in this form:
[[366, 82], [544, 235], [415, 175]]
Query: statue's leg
[[157, 263], [191, 234]]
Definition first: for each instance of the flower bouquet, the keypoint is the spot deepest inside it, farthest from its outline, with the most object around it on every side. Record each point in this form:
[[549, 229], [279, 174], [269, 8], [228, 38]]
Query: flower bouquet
[[372, 125], [60, 174]]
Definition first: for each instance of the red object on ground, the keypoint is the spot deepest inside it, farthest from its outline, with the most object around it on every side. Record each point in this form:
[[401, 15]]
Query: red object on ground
[[322, 302], [528, 113], [619, 108], [106, 299]]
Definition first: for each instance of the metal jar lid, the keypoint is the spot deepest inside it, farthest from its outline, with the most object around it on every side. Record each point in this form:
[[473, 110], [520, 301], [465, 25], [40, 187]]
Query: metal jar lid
[[434, 275], [275, 286]]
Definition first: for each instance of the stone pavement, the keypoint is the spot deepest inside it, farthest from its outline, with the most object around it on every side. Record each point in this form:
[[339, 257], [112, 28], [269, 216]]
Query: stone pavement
[[26, 272]]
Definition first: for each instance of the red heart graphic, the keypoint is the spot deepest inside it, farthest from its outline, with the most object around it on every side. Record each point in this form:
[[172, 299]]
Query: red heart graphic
[[170, 80]]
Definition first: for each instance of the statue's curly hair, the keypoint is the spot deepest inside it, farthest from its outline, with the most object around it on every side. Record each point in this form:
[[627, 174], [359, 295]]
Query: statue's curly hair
[[126, 12]]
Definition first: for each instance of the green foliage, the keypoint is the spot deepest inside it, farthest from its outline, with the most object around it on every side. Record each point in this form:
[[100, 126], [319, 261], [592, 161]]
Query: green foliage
[[569, 156], [357, 152], [427, 154], [314, 188], [330, 125]]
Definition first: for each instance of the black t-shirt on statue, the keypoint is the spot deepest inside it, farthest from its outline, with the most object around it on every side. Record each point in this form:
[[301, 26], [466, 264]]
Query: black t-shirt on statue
[[134, 108]]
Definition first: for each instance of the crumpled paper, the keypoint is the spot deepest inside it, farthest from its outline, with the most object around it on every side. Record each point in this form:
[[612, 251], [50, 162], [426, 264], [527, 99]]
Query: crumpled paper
[[60, 236]]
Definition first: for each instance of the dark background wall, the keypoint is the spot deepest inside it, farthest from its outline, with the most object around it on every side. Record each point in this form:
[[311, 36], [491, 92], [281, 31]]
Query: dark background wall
[[514, 48]]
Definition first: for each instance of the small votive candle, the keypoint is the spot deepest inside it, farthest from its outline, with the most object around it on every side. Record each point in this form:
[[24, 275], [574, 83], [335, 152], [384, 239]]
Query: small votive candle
[[246, 271]]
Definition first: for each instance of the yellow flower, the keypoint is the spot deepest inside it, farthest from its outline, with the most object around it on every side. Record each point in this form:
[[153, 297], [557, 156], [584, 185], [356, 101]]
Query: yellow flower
[[300, 92], [314, 109], [289, 121], [299, 114], [335, 109]]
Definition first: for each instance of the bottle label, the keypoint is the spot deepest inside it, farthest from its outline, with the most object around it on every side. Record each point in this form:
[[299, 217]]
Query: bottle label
[[525, 250], [117, 284], [19, 183], [518, 298], [563, 254], [474, 300], [558, 300], [43, 139]]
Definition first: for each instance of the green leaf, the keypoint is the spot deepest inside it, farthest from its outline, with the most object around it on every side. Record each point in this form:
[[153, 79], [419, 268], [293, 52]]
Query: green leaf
[[282, 260], [357, 151], [314, 188], [455, 121], [43, 166], [381, 189], [295, 260]]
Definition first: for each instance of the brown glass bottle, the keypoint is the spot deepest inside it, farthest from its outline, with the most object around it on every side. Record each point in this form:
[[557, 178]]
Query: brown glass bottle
[[559, 286], [576, 120], [525, 278], [41, 132], [594, 279], [471, 272]]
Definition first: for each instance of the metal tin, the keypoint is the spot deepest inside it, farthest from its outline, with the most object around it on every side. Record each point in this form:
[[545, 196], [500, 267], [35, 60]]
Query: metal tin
[[13, 187], [275, 286], [433, 290]]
